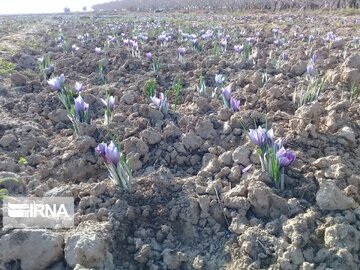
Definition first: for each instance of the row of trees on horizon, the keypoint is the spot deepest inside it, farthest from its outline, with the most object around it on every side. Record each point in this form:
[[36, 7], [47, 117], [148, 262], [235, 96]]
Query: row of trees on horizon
[[153, 5]]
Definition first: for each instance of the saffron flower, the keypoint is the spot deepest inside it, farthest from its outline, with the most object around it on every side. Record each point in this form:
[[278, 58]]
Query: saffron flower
[[100, 149], [57, 82], [313, 59], [238, 48], [234, 104], [78, 87], [285, 56], [219, 79], [74, 47], [111, 102], [286, 158], [161, 103], [112, 154], [149, 56], [310, 70], [226, 92], [115, 161], [181, 51], [80, 107], [258, 136]]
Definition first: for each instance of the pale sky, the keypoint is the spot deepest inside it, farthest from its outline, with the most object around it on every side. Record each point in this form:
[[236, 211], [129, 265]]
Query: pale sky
[[44, 6]]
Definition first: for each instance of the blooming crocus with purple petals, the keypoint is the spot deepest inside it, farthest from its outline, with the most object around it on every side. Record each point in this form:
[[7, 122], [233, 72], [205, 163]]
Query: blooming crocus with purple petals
[[156, 102], [100, 150], [285, 56], [270, 136], [330, 36], [258, 136], [219, 79], [181, 51], [246, 169], [161, 103], [78, 87], [226, 92], [238, 48], [97, 50], [116, 163], [286, 158], [310, 70], [74, 47], [109, 153], [149, 56], [80, 106], [111, 102], [251, 40], [313, 59], [112, 154], [57, 82], [234, 104]]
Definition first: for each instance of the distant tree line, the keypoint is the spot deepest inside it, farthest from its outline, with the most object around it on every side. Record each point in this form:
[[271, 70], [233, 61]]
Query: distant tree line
[[158, 5]]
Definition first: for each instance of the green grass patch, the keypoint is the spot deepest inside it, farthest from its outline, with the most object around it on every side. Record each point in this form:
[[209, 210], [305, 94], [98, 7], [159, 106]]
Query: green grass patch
[[6, 67]]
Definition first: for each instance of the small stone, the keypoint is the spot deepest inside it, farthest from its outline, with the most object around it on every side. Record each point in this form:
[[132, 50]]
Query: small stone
[[20, 245], [198, 263], [330, 197], [7, 140], [143, 255], [18, 79], [241, 155], [347, 133]]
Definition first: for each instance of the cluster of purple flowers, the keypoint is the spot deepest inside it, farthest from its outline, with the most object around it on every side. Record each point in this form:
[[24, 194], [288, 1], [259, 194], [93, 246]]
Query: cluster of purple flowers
[[116, 163], [229, 101], [109, 153], [160, 103], [273, 156]]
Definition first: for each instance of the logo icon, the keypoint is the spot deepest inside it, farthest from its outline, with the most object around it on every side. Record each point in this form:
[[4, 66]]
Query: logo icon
[[33, 212]]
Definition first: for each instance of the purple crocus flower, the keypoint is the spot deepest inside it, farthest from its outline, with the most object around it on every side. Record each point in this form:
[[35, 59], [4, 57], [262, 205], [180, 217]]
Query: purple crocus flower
[[80, 105], [286, 158], [149, 56], [246, 169], [97, 50], [238, 48], [112, 154], [219, 79], [181, 51], [78, 87], [234, 104], [161, 38], [111, 102], [74, 47], [285, 56], [226, 92], [134, 44], [270, 136], [223, 42], [157, 101], [57, 82], [310, 70], [330, 36], [278, 144], [258, 136], [313, 59], [251, 40], [100, 149]]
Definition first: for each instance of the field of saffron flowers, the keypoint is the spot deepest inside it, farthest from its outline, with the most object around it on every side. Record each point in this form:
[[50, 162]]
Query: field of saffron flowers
[[188, 141]]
